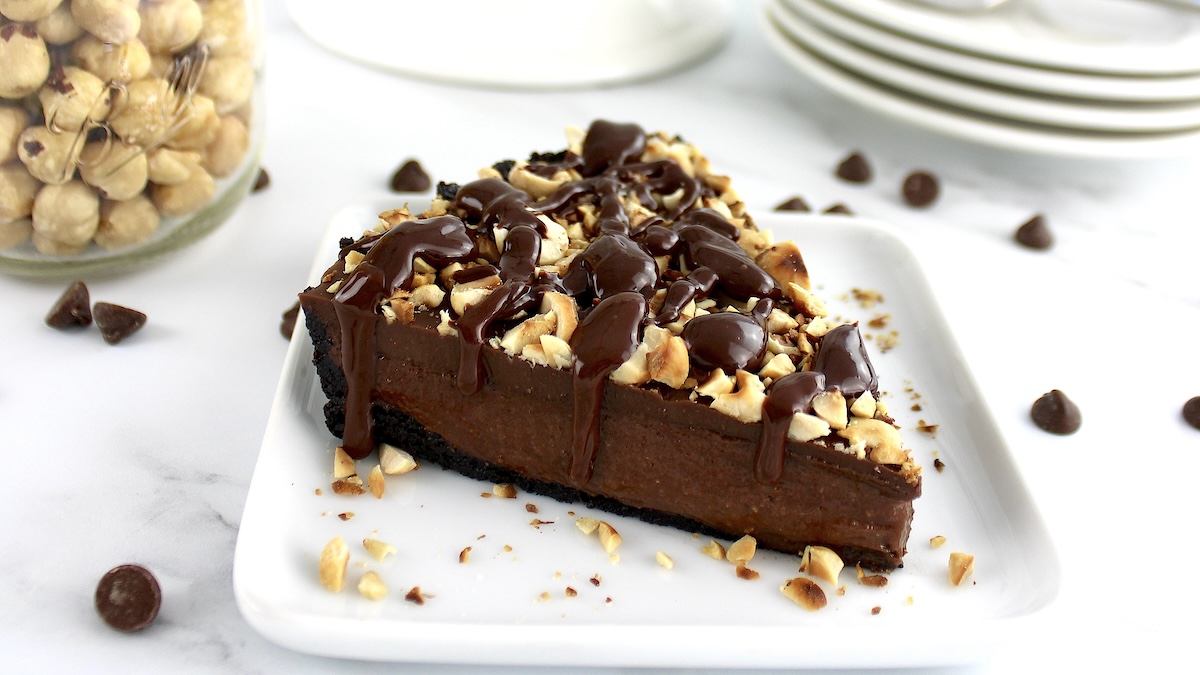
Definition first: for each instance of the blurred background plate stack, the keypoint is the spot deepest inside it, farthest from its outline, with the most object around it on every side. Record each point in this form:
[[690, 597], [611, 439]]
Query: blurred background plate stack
[[1092, 78]]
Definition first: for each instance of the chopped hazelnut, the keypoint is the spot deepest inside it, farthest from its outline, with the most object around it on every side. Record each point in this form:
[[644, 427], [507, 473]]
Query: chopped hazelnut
[[742, 550], [371, 586], [822, 563], [587, 524], [343, 464], [332, 565], [375, 482], [505, 490], [804, 592], [395, 461], [713, 549], [378, 549], [664, 560], [962, 566], [609, 537]]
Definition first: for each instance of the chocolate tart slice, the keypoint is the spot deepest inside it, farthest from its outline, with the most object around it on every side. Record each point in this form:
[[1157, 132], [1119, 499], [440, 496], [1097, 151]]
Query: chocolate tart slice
[[606, 325]]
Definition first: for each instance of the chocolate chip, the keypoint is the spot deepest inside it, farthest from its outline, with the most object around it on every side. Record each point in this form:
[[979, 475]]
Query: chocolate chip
[[794, 204], [1035, 233], [128, 598], [839, 209], [447, 191], [262, 181], [920, 188], [854, 169], [289, 320], [503, 168], [72, 309], [116, 322], [410, 177], [1056, 413], [1191, 411]]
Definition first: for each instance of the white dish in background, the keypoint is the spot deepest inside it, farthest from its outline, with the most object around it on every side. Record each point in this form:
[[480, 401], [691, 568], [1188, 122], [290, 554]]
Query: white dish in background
[[953, 122], [1089, 86], [699, 614], [984, 99], [1138, 38], [521, 44]]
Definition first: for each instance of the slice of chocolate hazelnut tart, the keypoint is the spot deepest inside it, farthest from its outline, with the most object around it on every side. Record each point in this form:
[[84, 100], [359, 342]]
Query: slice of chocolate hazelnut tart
[[606, 325]]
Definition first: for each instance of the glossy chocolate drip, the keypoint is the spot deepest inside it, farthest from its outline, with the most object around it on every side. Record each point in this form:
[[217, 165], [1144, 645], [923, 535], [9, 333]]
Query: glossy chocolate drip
[[387, 266], [604, 340], [612, 264], [842, 358], [440, 240], [695, 286], [708, 240], [789, 394], [727, 340], [610, 144], [506, 300]]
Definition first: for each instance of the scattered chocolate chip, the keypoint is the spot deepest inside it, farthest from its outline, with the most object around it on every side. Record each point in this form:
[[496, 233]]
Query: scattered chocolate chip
[[1191, 411], [72, 309], [504, 167], [920, 188], [288, 324], [116, 322], [262, 181], [410, 177], [447, 191], [1056, 413], [839, 209], [854, 169], [1035, 233], [794, 204], [128, 598]]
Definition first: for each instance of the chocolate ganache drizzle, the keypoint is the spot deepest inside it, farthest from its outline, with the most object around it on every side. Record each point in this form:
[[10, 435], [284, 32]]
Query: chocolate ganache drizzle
[[612, 281]]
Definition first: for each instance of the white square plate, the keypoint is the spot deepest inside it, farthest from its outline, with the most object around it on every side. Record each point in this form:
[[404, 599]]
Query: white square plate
[[509, 602]]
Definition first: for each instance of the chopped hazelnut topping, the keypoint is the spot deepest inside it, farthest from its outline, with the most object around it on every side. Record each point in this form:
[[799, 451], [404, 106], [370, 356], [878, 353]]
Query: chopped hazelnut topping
[[609, 537], [962, 566], [415, 596], [371, 586], [343, 464], [742, 550], [822, 563], [874, 580], [804, 592], [375, 482], [378, 549], [746, 573], [332, 565], [347, 487], [714, 550]]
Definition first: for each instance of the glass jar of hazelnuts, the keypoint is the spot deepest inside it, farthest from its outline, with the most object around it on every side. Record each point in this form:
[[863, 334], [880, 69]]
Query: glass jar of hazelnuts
[[127, 129]]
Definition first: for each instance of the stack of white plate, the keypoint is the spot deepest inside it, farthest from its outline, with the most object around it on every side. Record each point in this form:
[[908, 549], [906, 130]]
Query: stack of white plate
[[1079, 77]]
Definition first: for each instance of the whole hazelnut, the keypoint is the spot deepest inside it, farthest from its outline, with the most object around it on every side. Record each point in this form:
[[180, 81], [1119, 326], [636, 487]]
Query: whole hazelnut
[[49, 156], [126, 223], [229, 81], [114, 21], [26, 60], [72, 97], [13, 121], [170, 25], [184, 198], [66, 214], [59, 27], [17, 190], [28, 10], [225, 154], [116, 170], [144, 111], [123, 62]]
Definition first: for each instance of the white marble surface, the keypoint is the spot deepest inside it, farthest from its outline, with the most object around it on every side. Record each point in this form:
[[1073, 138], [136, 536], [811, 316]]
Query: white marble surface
[[143, 452]]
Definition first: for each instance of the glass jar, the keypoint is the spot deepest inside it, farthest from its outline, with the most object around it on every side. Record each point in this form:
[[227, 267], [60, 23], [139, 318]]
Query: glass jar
[[127, 129]]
